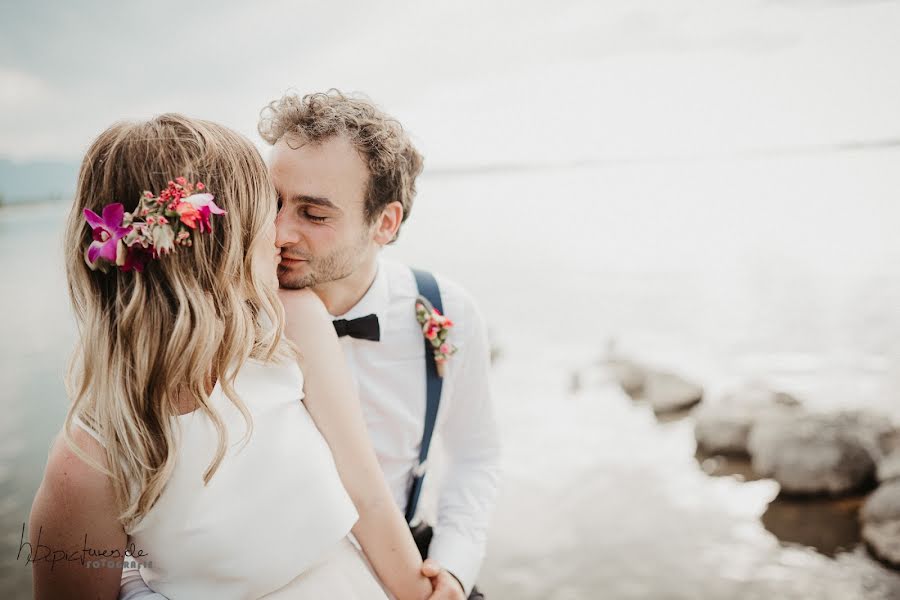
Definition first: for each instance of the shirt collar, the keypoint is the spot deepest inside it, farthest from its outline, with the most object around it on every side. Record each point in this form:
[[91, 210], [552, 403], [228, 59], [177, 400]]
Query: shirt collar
[[374, 301]]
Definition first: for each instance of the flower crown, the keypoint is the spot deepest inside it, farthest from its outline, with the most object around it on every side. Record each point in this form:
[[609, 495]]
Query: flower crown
[[155, 228]]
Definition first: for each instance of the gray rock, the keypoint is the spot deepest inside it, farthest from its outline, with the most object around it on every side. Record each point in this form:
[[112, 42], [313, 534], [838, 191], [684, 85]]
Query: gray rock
[[880, 516], [818, 453], [629, 374], [667, 392], [889, 467], [882, 434], [883, 505], [883, 540], [723, 427]]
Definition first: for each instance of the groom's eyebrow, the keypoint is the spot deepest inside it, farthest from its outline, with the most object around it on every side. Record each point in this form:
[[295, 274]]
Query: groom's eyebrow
[[318, 201]]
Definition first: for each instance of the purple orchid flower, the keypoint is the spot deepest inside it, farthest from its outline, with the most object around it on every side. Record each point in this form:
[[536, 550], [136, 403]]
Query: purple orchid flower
[[136, 257], [107, 232], [205, 206]]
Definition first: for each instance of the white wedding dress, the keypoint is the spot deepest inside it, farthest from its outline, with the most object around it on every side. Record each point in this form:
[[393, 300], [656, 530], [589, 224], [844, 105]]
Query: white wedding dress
[[274, 520]]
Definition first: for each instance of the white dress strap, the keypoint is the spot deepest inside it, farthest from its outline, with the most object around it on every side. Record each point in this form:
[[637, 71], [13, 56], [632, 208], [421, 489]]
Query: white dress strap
[[77, 420]]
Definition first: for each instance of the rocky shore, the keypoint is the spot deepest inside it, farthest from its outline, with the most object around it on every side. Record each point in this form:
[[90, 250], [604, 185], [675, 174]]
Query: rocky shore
[[845, 461]]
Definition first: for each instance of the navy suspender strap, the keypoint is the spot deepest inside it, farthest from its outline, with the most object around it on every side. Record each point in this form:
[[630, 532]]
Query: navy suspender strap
[[428, 288]]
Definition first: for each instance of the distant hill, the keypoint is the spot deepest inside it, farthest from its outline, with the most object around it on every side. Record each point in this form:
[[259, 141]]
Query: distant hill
[[38, 181]]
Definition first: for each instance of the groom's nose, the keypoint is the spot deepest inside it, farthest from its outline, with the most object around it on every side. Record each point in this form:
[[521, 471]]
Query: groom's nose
[[287, 231]]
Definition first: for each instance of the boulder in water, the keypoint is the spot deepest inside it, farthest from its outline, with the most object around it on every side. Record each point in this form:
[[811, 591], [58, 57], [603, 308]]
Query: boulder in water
[[668, 392], [818, 453], [880, 516], [722, 427], [889, 467], [629, 374]]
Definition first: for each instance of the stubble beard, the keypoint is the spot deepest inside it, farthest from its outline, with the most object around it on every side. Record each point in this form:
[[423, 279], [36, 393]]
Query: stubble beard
[[337, 265]]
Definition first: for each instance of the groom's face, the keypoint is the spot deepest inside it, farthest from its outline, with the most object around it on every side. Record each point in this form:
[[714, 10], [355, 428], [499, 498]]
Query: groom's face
[[321, 227]]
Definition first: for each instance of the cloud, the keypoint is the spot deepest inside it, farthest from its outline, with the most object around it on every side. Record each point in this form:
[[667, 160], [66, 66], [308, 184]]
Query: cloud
[[19, 90]]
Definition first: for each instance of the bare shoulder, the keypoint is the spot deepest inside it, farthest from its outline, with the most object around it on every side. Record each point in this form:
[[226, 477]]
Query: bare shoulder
[[74, 496], [74, 511], [68, 475]]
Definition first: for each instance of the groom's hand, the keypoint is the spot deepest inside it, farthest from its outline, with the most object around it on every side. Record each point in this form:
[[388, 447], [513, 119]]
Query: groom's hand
[[446, 586]]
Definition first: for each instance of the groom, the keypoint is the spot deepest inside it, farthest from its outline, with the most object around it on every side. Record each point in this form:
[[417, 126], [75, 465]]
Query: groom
[[345, 173]]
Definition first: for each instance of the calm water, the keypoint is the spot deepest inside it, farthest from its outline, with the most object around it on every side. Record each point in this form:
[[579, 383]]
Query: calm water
[[785, 269]]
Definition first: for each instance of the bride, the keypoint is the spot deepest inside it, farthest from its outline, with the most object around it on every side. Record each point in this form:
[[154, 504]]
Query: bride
[[222, 446]]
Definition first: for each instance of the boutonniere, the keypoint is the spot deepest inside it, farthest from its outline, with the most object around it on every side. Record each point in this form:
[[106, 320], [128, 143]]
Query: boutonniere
[[435, 328]]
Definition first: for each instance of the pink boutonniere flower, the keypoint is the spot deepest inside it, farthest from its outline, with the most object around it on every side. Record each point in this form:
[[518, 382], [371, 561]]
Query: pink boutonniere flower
[[435, 328]]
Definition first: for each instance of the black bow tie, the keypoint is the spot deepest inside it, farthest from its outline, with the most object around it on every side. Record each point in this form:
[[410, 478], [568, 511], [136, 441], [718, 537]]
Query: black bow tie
[[363, 328]]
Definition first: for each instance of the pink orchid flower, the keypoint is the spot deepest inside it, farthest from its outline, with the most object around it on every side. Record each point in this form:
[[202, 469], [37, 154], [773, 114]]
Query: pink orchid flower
[[205, 206], [107, 231]]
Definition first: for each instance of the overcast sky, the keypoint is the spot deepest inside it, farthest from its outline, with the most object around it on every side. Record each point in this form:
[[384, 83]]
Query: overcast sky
[[475, 82]]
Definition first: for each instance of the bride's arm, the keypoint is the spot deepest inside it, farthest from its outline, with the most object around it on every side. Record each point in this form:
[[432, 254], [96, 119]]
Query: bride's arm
[[73, 519], [332, 401]]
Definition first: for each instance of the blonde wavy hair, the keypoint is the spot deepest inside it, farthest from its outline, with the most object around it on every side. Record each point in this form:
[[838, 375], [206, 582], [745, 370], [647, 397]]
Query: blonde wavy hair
[[146, 339], [392, 159]]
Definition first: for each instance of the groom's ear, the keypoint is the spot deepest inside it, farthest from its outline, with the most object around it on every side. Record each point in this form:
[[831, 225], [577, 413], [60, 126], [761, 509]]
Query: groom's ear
[[388, 223]]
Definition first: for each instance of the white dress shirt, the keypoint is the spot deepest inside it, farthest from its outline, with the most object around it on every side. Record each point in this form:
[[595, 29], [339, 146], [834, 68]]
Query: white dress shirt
[[390, 377]]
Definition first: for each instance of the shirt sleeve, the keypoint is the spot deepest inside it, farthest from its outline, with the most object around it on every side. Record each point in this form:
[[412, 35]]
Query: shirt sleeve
[[469, 493]]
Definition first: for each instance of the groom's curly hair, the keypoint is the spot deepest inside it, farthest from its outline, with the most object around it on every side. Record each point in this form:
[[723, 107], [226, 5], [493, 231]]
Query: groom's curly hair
[[393, 161]]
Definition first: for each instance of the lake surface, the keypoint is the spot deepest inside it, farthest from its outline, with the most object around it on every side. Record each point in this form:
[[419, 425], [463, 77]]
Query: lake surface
[[785, 269]]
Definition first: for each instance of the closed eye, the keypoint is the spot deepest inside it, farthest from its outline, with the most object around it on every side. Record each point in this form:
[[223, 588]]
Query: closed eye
[[314, 218]]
